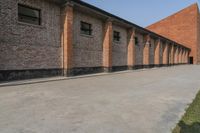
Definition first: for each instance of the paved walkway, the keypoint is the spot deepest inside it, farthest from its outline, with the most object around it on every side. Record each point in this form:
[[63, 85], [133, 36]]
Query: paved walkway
[[149, 101]]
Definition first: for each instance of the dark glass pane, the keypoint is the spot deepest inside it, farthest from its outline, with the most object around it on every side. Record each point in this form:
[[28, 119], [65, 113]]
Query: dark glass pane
[[116, 36], [136, 40], [27, 19], [28, 11], [87, 32], [28, 15], [86, 28]]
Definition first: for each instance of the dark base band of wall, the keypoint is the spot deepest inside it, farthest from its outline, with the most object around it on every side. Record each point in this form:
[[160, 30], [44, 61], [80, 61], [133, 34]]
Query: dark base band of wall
[[107, 69], [90, 70], [82, 70], [153, 65], [9, 75], [148, 66], [143, 66], [165, 65], [119, 68], [138, 67], [158, 65]]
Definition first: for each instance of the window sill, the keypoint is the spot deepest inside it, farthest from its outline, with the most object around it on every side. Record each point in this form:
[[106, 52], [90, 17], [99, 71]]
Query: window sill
[[32, 25], [89, 36]]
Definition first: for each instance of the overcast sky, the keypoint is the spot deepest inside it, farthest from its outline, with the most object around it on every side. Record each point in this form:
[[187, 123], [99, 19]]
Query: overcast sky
[[142, 12]]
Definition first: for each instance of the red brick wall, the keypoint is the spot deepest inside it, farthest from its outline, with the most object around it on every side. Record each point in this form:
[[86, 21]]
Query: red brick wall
[[181, 27], [198, 38]]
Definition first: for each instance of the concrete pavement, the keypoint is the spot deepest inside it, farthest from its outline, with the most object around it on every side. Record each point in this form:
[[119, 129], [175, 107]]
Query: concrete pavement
[[150, 101]]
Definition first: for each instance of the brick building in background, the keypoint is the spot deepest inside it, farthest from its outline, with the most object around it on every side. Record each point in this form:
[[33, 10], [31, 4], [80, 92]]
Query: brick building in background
[[41, 38], [182, 27]]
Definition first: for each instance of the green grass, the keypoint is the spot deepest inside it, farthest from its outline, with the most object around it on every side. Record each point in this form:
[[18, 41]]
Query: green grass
[[190, 122]]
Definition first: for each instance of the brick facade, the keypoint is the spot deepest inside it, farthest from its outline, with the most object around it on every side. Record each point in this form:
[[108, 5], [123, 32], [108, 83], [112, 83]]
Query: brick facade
[[107, 45], [146, 51], [182, 27], [119, 49], [157, 53], [87, 45], [26, 46], [131, 48], [58, 46], [25, 49], [139, 49], [67, 37]]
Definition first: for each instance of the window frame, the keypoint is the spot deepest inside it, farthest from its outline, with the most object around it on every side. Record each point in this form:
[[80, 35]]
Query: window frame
[[86, 31], [39, 18], [116, 38]]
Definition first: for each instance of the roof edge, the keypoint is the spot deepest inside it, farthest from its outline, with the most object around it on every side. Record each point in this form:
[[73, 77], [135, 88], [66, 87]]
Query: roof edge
[[181, 10], [122, 20]]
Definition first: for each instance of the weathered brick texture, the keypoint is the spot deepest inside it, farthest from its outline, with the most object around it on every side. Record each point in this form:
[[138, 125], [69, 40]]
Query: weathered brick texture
[[165, 53], [172, 54], [175, 55], [139, 49], [58, 44], [26, 46], [119, 49], [151, 51], [182, 27], [66, 35], [146, 50], [157, 52], [131, 48], [87, 50], [107, 44]]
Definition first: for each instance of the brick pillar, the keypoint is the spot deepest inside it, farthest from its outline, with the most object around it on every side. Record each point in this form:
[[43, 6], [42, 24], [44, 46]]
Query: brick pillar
[[172, 54], [185, 60], [184, 56], [166, 54], [180, 55], [187, 56], [157, 53], [146, 51], [176, 55], [178, 50], [169, 54], [66, 37], [131, 49], [107, 46]]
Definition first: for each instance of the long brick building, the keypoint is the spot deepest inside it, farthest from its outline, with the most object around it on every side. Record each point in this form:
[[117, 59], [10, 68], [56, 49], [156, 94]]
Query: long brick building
[[182, 27], [40, 38]]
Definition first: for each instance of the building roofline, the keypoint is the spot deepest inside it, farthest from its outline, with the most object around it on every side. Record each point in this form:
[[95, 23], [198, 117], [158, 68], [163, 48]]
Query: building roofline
[[194, 4], [123, 20]]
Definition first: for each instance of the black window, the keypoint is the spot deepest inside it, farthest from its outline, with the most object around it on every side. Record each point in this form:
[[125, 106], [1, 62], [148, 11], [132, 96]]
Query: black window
[[191, 60], [28, 15], [86, 28], [116, 36], [136, 41]]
